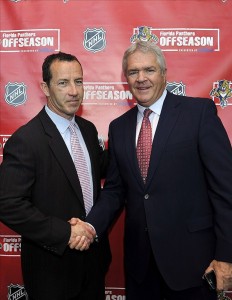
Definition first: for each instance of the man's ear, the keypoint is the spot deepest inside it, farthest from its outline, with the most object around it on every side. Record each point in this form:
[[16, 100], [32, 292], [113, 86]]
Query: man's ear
[[44, 88]]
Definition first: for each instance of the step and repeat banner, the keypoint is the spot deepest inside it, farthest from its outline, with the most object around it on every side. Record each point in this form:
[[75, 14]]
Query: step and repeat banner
[[194, 35]]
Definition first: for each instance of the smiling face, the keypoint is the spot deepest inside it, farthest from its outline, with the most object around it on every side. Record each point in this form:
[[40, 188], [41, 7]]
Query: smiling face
[[65, 91], [144, 77]]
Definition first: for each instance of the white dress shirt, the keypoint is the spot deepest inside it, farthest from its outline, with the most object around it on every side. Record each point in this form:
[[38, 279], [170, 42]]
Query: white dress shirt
[[154, 116]]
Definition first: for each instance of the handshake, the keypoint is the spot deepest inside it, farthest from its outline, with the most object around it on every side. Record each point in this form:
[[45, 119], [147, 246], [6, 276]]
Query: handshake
[[82, 234]]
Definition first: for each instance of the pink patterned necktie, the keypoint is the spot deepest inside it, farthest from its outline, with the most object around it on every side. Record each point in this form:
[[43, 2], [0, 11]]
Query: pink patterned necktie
[[81, 167], [144, 144]]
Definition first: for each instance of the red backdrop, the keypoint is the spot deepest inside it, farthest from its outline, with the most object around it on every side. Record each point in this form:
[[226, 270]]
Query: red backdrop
[[194, 35]]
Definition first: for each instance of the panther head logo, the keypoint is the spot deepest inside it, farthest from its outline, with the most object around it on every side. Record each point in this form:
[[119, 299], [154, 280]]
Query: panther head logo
[[222, 92], [144, 34]]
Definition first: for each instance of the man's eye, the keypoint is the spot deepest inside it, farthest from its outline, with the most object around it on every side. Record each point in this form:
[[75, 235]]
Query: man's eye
[[131, 73], [62, 83], [150, 71], [79, 82]]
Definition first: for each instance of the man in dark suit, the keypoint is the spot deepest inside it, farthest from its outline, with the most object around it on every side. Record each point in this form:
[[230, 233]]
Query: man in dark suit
[[40, 191], [178, 222]]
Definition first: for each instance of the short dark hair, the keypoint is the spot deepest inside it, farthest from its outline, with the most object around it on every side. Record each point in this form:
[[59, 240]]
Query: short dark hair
[[60, 56]]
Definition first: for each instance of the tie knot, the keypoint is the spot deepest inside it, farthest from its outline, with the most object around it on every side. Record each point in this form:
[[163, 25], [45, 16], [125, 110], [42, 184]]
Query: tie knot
[[147, 113], [72, 127]]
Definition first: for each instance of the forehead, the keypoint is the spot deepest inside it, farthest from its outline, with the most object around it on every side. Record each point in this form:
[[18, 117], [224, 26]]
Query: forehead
[[65, 69], [140, 59]]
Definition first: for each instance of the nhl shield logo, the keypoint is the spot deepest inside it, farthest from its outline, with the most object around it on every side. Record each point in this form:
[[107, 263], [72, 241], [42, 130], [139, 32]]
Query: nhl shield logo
[[177, 88], [15, 93], [16, 292], [94, 40]]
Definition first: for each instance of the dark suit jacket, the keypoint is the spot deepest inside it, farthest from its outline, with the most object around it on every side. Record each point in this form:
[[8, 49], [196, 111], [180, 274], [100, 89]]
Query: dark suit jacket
[[39, 193], [185, 209]]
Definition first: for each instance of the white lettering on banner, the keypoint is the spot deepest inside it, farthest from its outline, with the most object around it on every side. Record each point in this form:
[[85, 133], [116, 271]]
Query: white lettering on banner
[[10, 245], [180, 39], [112, 93], [113, 293], [28, 42], [31, 40], [12, 240], [104, 95], [3, 140], [104, 87], [172, 33], [20, 34], [187, 41]]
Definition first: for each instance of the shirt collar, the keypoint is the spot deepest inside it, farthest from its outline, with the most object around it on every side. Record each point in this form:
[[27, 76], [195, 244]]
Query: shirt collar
[[61, 123], [156, 107]]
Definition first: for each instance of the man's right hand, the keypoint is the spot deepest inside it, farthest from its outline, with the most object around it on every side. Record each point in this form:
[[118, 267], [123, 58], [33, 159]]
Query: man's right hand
[[82, 235]]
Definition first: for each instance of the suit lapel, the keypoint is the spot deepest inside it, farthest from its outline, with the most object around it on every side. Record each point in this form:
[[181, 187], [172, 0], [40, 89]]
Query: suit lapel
[[61, 153], [130, 134], [167, 120]]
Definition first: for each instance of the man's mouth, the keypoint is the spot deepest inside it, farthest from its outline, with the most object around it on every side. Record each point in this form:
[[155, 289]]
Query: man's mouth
[[73, 100], [142, 88]]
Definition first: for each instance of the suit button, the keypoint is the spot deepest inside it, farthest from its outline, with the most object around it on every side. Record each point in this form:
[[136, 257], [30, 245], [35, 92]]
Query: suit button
[[146, 196], [145, 229]]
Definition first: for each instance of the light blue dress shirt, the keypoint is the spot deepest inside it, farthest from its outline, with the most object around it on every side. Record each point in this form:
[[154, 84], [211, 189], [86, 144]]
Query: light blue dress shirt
[[62, 125]]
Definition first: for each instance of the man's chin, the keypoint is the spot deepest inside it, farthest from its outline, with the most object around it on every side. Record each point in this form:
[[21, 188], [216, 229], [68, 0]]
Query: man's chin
[[142, 98], [73, 108]]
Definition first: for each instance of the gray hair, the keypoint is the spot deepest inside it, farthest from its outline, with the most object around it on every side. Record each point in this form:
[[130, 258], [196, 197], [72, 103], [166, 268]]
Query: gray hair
[[145, 47]]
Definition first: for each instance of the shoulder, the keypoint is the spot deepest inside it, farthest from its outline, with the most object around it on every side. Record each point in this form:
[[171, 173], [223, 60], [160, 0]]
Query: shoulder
[[85, 124], [28, 129], [28, 133], [83, 121], [125, 117], [188, 102]]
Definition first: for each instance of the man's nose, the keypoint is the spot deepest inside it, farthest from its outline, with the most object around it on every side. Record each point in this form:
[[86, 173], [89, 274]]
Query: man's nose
[[141, 76], [73, 89]]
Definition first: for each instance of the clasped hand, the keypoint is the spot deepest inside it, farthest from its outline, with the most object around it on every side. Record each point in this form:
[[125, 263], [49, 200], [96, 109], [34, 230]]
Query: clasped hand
[[223, 272], [82, 234]]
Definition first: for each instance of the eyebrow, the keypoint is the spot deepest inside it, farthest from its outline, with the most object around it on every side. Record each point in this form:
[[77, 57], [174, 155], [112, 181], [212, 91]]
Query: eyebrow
[[66, 79], [145, 68]]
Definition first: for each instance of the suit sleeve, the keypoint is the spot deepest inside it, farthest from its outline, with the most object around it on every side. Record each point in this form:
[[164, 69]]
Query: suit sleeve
[[111, 199], [17, 173], [216, 155]]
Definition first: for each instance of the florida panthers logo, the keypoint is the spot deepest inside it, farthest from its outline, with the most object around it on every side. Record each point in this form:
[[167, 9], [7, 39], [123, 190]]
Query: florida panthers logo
[[222, 91], [143, 33]]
